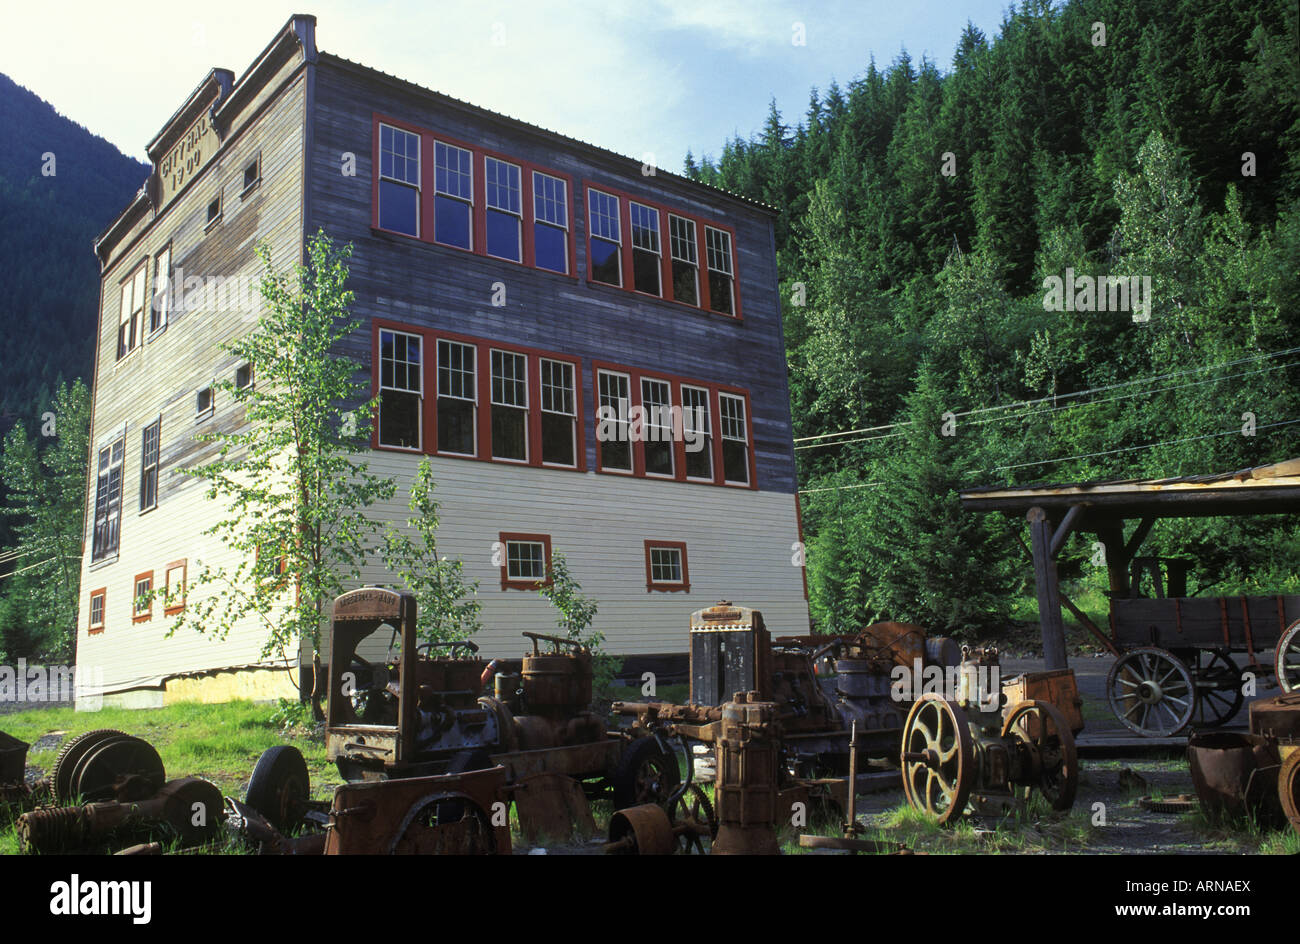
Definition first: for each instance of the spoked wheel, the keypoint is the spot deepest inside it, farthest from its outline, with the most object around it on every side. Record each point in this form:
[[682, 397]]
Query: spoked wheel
[[1218, 688], [1288, 787], [1044, 736], [693, 820], [1151, 692], [1288, 659], [938, 758], [645, 774]]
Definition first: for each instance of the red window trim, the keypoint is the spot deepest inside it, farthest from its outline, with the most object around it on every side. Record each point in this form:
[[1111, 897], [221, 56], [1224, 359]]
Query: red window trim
[[93, 629], [665, 250], [137, 617], [684, 586], [170, 609], [679, 447], [478, 224], [505, 537], [429, 339]]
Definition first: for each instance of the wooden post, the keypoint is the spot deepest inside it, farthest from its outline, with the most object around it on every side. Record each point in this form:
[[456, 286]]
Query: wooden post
[[1049, 599], [1112, 539]]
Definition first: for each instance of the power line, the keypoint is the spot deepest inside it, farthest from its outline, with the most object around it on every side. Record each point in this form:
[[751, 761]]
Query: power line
[[1055, 398], [1091, 455]]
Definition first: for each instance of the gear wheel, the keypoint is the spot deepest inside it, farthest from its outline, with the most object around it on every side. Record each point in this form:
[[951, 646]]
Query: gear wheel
[[71, 754], [1183, 803]]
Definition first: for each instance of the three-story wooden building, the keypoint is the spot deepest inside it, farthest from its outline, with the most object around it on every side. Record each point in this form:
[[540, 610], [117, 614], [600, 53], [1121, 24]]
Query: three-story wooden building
[[520, 293]]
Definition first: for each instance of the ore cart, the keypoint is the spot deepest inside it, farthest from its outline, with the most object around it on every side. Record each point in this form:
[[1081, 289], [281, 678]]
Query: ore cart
[[1180, 659]]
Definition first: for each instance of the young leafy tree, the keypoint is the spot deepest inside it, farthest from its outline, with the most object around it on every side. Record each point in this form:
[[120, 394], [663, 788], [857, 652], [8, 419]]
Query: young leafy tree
[[575, 614], [46, 492], [446, 604], [295, 494]]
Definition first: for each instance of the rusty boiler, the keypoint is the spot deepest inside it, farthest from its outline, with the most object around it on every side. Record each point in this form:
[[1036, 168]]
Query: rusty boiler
[[748, 747]]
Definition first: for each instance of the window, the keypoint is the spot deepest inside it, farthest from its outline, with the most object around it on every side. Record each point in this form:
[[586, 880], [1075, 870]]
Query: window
[[97, 601], [665, 566], [603, 263], [175, 587], [457, 398], [550, 223], [203, 404], [162, 279], [614, 447], [695, 433], [214, 211], [252, 173], [525, 560], [505, 210], [646, 259], [453, 195], [142, 600], [244, 377], [108, 500], [686, 265], [559, 414], [720, 270], [509, 406], [399, 180], [735, 439], [656, 403], [401, 389], [131, 314], [149, 438]]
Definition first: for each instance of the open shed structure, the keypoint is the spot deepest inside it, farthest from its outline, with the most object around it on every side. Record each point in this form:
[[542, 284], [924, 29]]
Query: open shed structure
[[1174, 666]]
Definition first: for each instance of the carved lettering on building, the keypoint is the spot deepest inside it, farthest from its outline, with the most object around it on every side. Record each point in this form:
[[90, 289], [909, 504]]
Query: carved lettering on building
[[187, 157]]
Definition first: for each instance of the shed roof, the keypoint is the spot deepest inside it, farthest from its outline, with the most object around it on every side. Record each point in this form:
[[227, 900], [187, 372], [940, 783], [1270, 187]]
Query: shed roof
[[1265, 489]]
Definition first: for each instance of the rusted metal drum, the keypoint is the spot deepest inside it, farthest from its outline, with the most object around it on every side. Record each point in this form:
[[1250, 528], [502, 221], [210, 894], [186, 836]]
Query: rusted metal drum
[[641, 830], [557, 682], [1235, 775]]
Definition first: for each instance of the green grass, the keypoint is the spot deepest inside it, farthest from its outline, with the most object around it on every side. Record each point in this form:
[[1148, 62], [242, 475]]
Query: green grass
[[220, 743]]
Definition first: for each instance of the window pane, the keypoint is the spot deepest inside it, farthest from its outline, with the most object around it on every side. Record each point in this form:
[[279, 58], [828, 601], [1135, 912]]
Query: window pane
[[665, 565], [656, 400], [611, 430], [645, 271], [558, 439], [525, 560], [685, 283], [455, 426], [550, 248], [604, 262], [452, 173], [720, 293], [503, 187], [503, 236], [451, 222], [695, 429], [550, 200], [509, 433], [398, 207], [604, 216], [399, 419]]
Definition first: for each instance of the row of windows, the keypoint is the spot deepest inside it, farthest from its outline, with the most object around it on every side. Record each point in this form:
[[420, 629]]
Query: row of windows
[[526, 561], [174, 586], [524, 218], [491, 401]]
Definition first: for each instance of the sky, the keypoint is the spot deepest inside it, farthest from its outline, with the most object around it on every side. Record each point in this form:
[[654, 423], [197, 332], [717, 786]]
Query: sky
[[649, 79]]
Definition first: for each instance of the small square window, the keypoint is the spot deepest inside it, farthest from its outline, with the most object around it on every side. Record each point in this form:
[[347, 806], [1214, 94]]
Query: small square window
[[665, 566], [214, 211], [203, 404], [252, 174], [525, 560], [244, 377]]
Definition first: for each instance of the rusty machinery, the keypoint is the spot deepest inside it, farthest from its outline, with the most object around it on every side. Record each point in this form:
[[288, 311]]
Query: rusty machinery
[[983, 752], [537, 725], [732, 651]]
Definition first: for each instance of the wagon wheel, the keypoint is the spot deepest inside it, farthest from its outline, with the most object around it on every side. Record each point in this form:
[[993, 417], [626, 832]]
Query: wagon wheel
[[1042, 733], [938, 758], [693, 819], [1218, 688], [1288, 787], [645, 774], [1288, 659], [1151, 692]]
